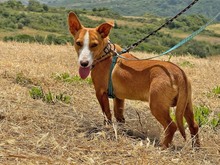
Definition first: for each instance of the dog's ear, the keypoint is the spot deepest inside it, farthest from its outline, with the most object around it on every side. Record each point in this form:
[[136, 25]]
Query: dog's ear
[[104, 29], [74, 23]]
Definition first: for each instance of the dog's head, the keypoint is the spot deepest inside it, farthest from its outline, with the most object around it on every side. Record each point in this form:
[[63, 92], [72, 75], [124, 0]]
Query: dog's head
[[88, 42]]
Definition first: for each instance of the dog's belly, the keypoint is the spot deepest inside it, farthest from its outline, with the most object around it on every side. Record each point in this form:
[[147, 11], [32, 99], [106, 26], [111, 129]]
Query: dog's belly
[[133, 85], [131, 92]]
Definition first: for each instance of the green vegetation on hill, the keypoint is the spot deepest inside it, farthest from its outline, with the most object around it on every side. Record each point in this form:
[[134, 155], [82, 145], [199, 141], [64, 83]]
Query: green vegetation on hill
[[51, 26], [140, 7]]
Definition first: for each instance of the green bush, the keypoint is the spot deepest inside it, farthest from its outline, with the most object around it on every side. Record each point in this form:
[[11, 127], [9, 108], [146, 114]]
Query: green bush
[[105, 12], [66, 77], [48, 98], [202, 117], [5, 14], [200, 49], [25, 21], [49, 39], [63, 98], [216, 91], [191, 22], [36, 93], [24, 38], [20, 26], [39, 39], [187, 64], [34, 5], [14, 4]]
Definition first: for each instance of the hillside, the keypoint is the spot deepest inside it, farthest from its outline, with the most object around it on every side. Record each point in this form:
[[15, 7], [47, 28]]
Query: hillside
[[141, 7], [48, 25], [57, 130]]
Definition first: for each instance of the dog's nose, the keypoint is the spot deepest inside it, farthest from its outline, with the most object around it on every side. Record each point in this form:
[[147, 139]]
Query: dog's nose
[[84, 63]]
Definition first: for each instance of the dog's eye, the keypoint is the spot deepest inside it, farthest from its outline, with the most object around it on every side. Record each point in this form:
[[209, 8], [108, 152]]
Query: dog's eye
[[94, 45], [79, 43]]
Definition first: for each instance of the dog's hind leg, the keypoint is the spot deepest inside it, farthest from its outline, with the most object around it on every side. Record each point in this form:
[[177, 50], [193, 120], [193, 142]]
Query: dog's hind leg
[[161, 113], [104, 103], [169, 126], [193, 126], [119, 110]]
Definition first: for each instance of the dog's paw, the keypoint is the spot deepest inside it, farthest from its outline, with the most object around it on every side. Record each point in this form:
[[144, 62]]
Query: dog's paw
[[120, 120], [107, 122], [195, 144]]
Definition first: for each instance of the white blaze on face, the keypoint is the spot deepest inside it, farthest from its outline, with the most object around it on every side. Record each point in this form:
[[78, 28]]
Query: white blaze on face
[[85, 55]]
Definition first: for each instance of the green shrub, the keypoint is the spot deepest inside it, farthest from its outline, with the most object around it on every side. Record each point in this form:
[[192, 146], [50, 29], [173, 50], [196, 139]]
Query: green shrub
[[191, 22], [12, 25], [36, 93], [25, 21], [66, 77], [216, 91], [173, 117], [14, 4], [39, 39], [202, 117], [48, 98], [64, 98], [200, 49], [56, 40], [5, 14], [34, 5], [20, 26], [50, 39], [19, 38], [8, 38], [187, 64]]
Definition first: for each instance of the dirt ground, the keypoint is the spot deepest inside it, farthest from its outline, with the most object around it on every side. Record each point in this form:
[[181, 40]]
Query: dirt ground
[[35, 132]]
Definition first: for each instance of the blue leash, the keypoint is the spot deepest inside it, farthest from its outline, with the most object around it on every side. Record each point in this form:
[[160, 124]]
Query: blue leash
[[115, 57]]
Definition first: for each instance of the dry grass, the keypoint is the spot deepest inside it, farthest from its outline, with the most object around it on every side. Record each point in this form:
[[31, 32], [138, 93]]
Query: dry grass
[[34, 132], [209, 39], [215, 28]]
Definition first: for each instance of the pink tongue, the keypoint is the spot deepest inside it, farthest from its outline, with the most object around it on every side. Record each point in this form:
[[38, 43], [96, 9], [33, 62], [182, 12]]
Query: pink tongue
[[84, 72]]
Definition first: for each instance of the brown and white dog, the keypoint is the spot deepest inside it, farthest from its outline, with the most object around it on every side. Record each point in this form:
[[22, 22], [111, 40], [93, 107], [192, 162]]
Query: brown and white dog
[[162, 84]]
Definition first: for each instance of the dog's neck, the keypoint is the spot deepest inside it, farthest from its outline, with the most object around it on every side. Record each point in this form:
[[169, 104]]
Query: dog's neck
[[106, 53]]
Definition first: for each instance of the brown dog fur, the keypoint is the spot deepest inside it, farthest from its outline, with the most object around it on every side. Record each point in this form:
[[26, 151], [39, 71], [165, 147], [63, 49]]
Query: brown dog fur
[[162, 84]]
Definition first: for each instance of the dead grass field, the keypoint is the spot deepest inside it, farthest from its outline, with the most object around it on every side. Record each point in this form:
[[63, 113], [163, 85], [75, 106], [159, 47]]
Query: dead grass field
[[209, 39], [35, 132], [215, 28]]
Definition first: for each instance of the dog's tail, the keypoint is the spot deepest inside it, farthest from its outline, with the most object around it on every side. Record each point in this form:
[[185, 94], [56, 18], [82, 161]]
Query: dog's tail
[[182, 101]]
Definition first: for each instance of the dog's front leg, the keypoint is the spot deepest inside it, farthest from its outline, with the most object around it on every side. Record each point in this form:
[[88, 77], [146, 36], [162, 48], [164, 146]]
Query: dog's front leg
[[104, 103], [119, 110]]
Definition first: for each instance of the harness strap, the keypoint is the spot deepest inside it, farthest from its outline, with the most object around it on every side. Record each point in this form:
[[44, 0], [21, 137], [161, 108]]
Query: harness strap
[[110, 85]]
